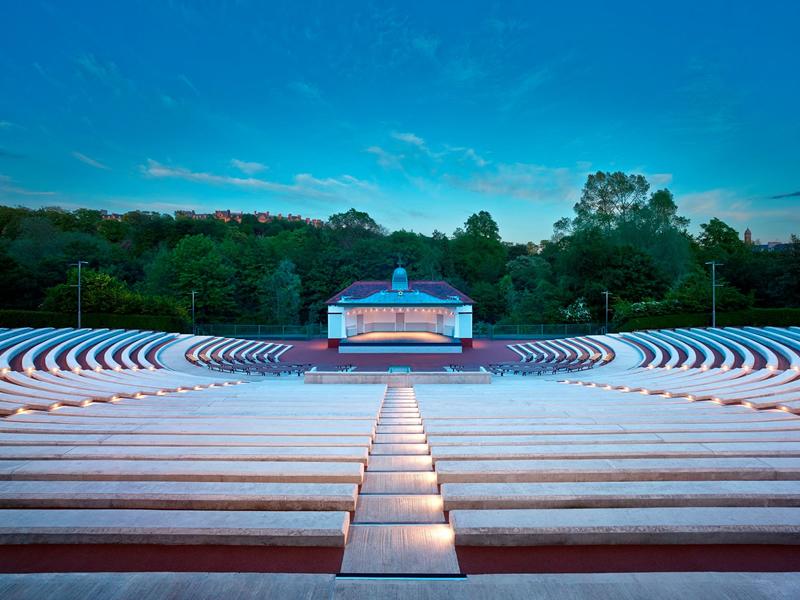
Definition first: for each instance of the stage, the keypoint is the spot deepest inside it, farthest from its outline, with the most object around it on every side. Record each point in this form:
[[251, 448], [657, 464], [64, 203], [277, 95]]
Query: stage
[[400, 342]]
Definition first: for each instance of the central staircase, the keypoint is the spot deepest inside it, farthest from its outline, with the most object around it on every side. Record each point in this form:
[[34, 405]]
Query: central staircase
[[399, 527]]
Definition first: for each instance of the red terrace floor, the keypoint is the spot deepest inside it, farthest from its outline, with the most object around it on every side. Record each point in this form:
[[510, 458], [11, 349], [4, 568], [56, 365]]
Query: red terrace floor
[[316, 352]]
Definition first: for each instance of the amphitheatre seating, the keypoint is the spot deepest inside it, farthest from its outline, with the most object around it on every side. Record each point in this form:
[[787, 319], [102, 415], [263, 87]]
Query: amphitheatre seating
[[562, 465], [102, 443], [548, 357], [757, 367], [230, 355]]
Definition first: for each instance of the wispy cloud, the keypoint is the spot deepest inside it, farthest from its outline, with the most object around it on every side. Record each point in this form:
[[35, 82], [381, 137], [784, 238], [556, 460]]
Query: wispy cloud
[[105, 71], [386, 159], [781, 196], [6, 124], [90, 161], [168, 101], [303, 184], [9, 189], [727, 204], [188, 83], [536, 183], [248, 167], [305, 89]]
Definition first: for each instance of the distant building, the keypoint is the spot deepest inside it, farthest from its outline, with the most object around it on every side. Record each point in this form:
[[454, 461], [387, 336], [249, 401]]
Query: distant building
[[261, 216], [775, 246]]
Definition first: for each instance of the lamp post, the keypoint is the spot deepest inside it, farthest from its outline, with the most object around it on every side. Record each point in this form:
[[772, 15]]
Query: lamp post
[[194, 329], [714, 264], [606, 294], [78, 264]]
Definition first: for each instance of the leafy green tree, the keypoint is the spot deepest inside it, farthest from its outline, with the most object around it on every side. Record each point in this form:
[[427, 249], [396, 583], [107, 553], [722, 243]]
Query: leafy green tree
[[608, 197], [280, 295], [198, 265]]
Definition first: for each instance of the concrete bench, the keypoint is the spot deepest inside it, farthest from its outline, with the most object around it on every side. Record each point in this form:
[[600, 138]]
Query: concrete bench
[[173, 527], [190, 495], [182, 470], [616, 526], [235, 453], [619, 494], [631, 469], [598, 450]]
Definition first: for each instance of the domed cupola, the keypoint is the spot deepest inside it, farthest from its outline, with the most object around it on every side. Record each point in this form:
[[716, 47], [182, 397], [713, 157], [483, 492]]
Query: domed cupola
[[400, 279]]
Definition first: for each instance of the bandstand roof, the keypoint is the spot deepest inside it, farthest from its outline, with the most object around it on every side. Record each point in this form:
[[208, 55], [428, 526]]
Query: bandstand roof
[[421, 293]]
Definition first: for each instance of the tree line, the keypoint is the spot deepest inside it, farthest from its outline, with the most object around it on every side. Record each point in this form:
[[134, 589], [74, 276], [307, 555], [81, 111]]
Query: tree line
[[622, 238]]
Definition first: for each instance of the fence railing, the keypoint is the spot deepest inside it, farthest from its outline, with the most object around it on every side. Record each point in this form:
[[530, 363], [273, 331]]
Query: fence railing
[[534, 331], [240, 330]]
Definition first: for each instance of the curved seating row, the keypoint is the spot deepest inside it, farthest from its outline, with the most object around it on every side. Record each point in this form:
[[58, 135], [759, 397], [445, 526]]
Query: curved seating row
[[553, 356], [246, 356], [755, 366], [47, 368]]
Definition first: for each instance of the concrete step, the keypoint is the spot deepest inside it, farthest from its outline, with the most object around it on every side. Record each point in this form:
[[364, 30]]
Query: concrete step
[[190, 495], [400, 463], [388, 449], [177, 470], [620, 494], [194, 527], [399, 429], [632, 469], [400, 438], [400, 549], [399, 509], [398, 421], [35, 439], [235, 453], [662, 450], [399, 483], [615, 526]]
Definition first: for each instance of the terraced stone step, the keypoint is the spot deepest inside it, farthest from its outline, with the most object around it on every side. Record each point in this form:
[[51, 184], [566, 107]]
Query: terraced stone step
[[177, 470], [399, 509], [620, 494], [662, 450], [400, 463], [399, 483], [237, 453], [400, 549], [178, 495], [398, 421], [399, 438], [397, 449], [614, 526], [398, 429], [36, 439], [698, 437], [194, 527], [631, 469]]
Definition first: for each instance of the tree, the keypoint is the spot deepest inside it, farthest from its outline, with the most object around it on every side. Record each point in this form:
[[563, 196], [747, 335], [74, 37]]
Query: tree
[[609, 197], [198, 265], [280, 295], [482, 225]]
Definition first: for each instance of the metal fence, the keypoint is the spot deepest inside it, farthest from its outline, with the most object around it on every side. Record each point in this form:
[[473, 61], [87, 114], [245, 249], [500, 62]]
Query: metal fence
[[248, 331], [480, 330], [535, 331]]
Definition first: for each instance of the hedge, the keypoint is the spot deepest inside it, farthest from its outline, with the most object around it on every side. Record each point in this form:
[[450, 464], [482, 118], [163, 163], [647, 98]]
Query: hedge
[[38, 318], [757, 317]]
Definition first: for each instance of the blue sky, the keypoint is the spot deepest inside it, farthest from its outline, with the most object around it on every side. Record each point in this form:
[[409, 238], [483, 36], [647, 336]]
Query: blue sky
[[418, 112]]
